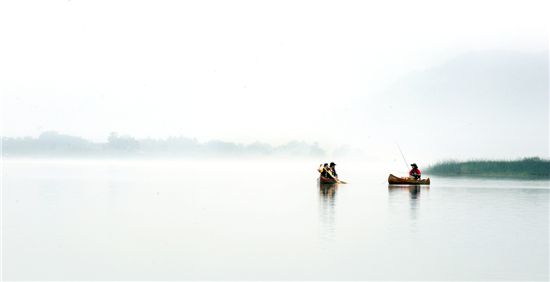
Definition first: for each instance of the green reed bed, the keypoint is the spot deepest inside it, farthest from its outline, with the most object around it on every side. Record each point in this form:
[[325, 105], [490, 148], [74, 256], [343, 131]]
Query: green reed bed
[[535, 168]]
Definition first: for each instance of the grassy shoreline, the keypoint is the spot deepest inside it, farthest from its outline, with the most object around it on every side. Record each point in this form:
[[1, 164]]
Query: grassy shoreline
[[527, 168]]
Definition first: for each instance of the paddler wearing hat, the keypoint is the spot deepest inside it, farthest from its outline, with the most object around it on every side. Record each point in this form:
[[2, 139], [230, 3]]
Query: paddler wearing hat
[[415, 172], [332, 167]]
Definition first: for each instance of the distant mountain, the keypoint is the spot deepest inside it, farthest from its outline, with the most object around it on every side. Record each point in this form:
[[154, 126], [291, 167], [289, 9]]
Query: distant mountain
[[479, 104]]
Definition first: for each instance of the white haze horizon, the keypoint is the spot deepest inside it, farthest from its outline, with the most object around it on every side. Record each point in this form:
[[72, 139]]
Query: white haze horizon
[[443, 79]]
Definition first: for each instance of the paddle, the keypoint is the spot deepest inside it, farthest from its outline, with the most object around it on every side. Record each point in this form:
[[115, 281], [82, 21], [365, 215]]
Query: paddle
[[336, 178]]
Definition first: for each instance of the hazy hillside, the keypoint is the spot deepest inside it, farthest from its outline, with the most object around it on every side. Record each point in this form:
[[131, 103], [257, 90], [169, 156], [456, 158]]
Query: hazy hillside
[[479, 104]]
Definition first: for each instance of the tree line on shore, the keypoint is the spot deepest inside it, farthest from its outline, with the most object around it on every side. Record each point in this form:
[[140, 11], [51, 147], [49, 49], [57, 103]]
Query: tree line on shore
[[533, 167], [54, 144]]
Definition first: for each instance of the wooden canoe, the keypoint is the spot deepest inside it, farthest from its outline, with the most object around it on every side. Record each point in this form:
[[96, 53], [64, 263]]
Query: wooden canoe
[[326, 180], [392, 179]]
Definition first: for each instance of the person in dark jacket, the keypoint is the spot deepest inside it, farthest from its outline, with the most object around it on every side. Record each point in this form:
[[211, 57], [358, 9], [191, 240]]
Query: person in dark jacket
[[332, 167], [326, 171]]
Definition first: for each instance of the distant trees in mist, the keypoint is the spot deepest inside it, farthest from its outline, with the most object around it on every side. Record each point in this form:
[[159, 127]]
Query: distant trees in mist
[[533, 167], [53, 144]]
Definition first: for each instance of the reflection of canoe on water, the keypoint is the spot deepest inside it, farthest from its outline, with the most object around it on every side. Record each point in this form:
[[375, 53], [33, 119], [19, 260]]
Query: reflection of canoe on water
[[326, 180], [392, 179]]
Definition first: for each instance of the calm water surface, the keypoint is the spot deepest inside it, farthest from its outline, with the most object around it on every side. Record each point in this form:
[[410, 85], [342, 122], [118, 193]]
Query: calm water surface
[[262, 220]]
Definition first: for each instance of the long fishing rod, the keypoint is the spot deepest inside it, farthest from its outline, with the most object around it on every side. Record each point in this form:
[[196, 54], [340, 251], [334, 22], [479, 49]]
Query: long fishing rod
[[406, 163]]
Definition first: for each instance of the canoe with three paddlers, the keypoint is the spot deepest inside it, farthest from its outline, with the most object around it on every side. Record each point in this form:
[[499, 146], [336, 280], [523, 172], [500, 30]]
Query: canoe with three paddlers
[[392, 179]]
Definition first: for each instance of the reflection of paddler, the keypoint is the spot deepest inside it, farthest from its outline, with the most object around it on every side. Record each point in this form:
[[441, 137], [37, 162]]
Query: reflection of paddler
[[328, 191], [414, 190]]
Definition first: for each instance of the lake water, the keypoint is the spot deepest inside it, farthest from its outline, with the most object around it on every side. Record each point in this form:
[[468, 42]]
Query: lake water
[[264, 220]]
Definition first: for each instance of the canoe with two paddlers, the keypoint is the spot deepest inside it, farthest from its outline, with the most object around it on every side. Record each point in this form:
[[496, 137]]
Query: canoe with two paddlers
[[327, 180], [392, 179]]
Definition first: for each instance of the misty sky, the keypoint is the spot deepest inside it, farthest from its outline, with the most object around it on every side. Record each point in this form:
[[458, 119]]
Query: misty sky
[[472, 74]]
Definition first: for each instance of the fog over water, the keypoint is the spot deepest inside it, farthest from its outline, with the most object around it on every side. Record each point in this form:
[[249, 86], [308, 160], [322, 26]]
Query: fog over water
[[363, 74]]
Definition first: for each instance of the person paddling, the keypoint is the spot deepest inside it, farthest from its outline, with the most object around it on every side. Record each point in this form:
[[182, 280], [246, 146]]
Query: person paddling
[[325, 171], [330, 172], [332, 167], [415, 172]]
